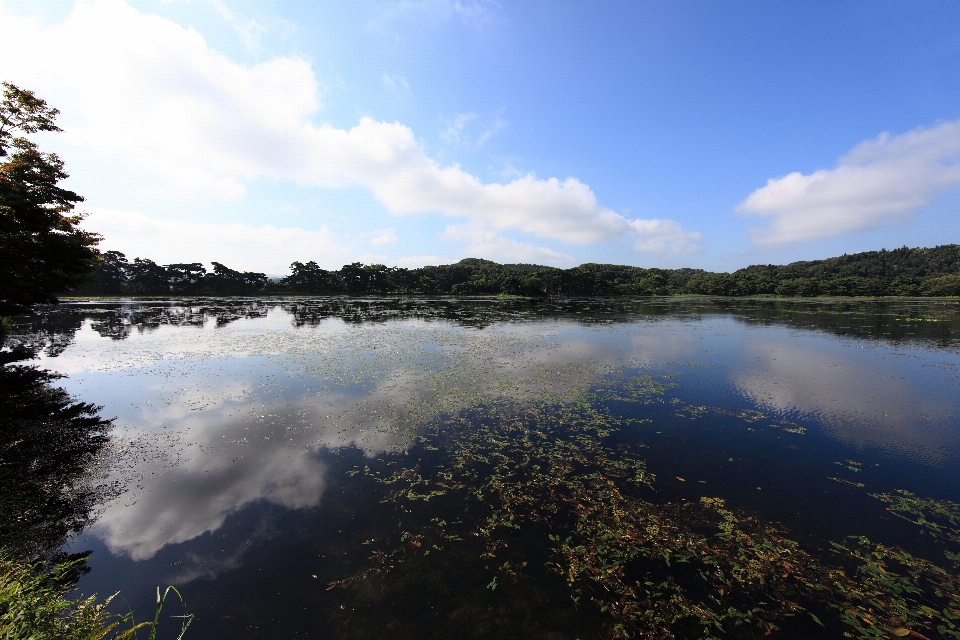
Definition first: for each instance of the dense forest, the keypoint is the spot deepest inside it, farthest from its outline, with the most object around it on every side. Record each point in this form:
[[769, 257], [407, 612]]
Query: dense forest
[[900, 272]]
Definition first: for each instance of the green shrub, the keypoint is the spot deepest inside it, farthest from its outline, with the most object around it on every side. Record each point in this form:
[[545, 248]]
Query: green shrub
[[942, 286]]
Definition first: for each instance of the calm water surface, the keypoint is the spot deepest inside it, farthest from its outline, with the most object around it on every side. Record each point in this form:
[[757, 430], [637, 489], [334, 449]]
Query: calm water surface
[[243, 428]]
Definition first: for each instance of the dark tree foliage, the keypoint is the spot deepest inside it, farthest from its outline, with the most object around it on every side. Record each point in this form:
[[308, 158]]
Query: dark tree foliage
[[902, 272], [116, 276], [942, 286], [310, 278], [48, 444], [225, 280], [147, 277], [185, 278], [883, 264], [42, 252], [111, 274]]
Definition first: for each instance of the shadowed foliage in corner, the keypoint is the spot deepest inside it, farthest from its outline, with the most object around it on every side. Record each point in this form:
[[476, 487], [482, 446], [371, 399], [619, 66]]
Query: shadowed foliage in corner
[[48, 444]]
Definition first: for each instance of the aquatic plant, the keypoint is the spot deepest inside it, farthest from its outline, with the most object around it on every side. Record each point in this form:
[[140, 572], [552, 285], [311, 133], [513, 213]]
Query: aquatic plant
[[937, 518], [507, 475]]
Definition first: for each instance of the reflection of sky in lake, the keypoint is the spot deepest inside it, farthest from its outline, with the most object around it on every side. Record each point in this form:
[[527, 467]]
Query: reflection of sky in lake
[[245, 407], [223, 429], [901, 400]]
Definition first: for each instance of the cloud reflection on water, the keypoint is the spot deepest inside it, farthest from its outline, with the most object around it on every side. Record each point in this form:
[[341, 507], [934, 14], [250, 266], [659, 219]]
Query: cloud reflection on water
[[877, 397], [247, 421], [220, 417]]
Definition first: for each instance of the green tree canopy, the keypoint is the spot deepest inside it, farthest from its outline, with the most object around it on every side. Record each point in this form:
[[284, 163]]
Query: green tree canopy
[[42, 252]]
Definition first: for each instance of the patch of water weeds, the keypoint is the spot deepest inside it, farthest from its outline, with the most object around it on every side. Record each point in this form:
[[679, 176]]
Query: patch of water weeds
[[507, 481]]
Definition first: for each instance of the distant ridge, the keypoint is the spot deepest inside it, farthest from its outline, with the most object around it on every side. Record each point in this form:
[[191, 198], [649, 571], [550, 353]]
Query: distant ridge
[[920, 263], [898, 272]]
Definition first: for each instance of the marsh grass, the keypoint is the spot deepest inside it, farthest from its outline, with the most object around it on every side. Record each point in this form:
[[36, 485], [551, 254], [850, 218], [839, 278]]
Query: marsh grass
[[34, 606]]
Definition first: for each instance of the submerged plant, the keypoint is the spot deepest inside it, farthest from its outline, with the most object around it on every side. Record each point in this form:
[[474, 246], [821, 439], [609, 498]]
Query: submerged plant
[[506, 474]]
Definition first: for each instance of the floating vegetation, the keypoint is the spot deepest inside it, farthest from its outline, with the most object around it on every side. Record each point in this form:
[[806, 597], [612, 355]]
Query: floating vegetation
[[938, 518], [511, 478], [856, 467], [858, 485], [895, 593]]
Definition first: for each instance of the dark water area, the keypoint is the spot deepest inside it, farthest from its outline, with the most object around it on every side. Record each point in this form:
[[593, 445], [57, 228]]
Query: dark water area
[[276, 459]]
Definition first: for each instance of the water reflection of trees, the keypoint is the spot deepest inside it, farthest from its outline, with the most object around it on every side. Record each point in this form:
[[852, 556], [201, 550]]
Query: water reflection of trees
[[120, 322], [925, 322], [50, 333], [931, 323], [52, 329], [49, 447]]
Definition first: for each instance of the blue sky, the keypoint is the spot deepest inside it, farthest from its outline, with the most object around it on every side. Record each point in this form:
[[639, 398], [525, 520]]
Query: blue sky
[[704, 134]]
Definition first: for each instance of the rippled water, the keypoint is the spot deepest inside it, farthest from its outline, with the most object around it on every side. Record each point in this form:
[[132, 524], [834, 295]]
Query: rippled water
[[241, 426]]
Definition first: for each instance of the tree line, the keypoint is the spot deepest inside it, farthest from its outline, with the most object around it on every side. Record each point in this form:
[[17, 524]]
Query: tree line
[[898, 272]]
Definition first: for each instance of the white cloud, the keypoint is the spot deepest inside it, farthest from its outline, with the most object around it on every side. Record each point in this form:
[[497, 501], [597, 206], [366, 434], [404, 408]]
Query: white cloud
[[249, 30], [478, 13], [415, 262], [206, 499], [486, 243], [879, 182], [490, 131], [664, 237], [151, 93], [456, 129], [386, 236], [369, 258], [396, 82], [455, 126], [239, 246], [508, 171]]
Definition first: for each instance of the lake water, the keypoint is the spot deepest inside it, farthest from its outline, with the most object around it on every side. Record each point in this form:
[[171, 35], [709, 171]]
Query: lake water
[[367, 468]]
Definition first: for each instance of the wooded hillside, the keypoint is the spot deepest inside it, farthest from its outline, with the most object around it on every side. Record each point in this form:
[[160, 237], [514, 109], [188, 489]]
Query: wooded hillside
[[900, 272]]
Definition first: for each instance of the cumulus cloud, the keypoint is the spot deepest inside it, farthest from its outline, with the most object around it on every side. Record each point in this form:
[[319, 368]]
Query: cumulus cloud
[[386, 236], [879, 182], [483, 242], [664, 236], [491, 131], [236, 245], [456, 125], [153, 94], [455, 130], [415, 262], [206, 496], [249, 30]]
